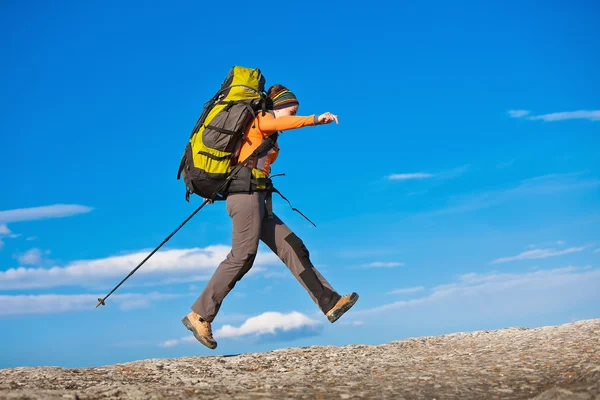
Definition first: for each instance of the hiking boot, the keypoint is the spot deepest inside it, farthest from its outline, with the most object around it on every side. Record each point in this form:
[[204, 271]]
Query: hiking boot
[[344, 304], [201, 329]]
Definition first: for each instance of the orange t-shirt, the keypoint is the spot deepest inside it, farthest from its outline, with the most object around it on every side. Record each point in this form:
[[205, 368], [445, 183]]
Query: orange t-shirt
[[265, 126]]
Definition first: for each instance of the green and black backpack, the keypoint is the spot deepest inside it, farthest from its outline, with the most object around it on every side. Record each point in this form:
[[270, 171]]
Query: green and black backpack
[[208, 165]]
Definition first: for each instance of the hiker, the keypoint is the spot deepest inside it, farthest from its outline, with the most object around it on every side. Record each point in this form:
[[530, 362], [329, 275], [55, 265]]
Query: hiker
[[252, 221]]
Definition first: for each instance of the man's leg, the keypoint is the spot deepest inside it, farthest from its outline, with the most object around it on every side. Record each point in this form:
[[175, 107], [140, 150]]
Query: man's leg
[[246, 212], [294, 254]]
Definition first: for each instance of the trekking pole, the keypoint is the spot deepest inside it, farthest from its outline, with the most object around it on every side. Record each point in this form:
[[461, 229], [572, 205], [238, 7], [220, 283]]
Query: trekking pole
[[266, 145], [101, 300]]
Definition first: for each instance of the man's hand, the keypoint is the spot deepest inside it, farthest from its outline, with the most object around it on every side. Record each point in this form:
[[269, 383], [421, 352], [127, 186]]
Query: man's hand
[[328, 118]]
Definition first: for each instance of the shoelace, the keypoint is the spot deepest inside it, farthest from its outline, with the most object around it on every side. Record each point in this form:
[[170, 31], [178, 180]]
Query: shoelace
[[208, 328]]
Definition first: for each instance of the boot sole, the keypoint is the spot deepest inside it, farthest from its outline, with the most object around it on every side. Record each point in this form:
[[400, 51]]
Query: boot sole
[[338, 313], [188, 324]]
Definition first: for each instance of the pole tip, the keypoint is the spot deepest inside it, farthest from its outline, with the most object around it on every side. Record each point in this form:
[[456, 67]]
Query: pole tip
[[100, 301]]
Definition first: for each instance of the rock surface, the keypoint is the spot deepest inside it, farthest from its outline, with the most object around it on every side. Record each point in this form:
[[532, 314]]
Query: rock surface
[[546, 363]]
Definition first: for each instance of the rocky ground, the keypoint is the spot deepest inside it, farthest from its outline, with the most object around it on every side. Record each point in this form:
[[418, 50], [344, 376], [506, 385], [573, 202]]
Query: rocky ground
[[545, 363]]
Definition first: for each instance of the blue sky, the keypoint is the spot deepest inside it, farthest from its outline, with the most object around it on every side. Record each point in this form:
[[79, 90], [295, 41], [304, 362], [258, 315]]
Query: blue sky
[[460, 191]]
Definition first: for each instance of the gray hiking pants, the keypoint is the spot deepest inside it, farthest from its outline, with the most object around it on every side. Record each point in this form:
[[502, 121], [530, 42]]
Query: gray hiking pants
[[247, 212]]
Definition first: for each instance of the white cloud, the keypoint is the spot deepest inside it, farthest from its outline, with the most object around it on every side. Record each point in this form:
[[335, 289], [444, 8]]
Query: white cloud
[[35, 213], [12, 305], [537, 254], [274, 274], [30, 257], [4, 231], [257, 269], [540, 185], [171, 343], [409, 176], [450, 174], [553, 183], [132, 301], [30, 238], [556, 242], [592, 115], [407, 290], [268, 323], [353, 323], [383, 265], [517, 113], [508, 294], [175, 342], [168, 266]]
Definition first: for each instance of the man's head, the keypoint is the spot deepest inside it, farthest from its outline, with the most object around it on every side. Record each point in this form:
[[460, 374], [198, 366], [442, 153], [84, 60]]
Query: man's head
[[283, 101]]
